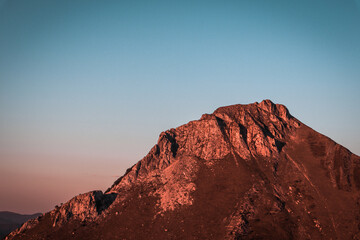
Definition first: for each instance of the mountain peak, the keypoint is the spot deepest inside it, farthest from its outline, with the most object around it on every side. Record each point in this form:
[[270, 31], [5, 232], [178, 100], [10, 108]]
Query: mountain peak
[[257, 129], [266, 105], [241, 172]]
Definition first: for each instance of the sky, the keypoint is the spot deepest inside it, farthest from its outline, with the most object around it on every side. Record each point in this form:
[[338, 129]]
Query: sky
[[86, 86]]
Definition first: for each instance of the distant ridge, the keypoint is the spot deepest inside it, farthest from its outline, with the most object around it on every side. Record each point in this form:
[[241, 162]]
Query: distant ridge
[[9, 221], [242, 172]]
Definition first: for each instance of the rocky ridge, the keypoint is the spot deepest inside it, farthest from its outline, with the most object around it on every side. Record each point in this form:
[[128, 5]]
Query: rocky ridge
[[242, 172], [247, 130]]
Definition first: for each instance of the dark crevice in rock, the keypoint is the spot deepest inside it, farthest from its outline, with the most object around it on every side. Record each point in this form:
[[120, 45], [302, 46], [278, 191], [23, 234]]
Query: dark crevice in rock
[[221, 123], [243, 132], [174, 148], [172, 140], [279, 145], [104, 201], [266, 131]]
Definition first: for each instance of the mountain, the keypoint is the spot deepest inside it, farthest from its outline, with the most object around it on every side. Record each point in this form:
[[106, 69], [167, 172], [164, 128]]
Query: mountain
[[10, 221], [243, 172]]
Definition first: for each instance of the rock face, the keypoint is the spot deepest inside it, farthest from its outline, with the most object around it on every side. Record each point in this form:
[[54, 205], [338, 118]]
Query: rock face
[[84, 207], [243, 172]]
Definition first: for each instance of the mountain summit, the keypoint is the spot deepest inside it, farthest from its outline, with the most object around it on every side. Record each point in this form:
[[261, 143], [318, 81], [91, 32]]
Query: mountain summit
[[243, 172]]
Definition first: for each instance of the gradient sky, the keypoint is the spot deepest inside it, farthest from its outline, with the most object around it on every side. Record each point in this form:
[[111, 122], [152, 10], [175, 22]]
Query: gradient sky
[[86, 86]]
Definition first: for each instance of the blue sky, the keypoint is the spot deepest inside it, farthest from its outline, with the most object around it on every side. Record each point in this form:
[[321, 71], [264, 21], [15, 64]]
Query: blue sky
[[86, 87]]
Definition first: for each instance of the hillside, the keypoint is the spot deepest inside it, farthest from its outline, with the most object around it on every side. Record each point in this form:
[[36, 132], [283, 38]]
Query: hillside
[[243, 172]]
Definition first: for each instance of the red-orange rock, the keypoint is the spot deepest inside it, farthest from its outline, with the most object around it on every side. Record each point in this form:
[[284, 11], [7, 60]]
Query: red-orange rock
[[243, 172]]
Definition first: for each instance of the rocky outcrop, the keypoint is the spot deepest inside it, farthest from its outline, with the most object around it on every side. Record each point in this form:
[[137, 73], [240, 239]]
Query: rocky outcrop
[[248, 130], [243, 172], [83, 207]]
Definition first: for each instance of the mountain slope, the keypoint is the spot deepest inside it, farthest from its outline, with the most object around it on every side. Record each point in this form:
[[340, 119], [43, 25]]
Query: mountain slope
[[243, 172]]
